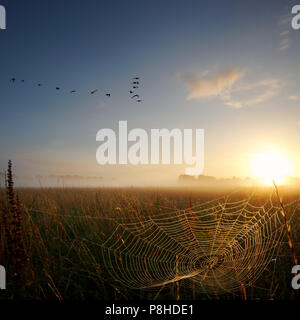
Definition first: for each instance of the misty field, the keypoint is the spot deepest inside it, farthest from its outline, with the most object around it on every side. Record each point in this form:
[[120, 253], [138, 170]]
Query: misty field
[[61, 231]]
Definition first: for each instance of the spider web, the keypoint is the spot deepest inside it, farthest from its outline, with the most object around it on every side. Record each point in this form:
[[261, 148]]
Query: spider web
[[219, 245]]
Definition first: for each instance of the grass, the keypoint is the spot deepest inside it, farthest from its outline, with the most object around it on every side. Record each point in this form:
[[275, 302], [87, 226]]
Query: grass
[[46, 232]]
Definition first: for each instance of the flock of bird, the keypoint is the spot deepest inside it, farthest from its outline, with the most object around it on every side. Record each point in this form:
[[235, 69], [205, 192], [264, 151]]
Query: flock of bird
[[135, 85], [58, 88]]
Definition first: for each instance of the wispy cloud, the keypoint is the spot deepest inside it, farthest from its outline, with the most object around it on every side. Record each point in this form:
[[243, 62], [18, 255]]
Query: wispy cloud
[[294, 98], [219, 85], [269, 89], [284, 22], [285, 19], [285, 44], [226, 87], [234, 104], [284, 33]]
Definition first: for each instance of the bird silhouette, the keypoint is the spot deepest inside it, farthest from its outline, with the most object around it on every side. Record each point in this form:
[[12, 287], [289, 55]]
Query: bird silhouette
[[136, 78], [139, 100], [131, 92], [136, 95], [135, 87], [12, 80], [57, 88], [22, 80], [73, 91], [136, 82], [94, 91], [39, 85], [108, 94]]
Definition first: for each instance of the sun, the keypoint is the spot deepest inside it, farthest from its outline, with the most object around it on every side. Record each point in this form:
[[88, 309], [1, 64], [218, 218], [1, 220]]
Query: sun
[[271, 166]]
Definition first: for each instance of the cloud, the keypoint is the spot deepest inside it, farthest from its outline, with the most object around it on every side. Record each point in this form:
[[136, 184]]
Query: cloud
[[284, 33], [285, 44], [226, 87], [285, 19], [219, 85], [270, 89], [294, 98], [234, 104], [283, 22]]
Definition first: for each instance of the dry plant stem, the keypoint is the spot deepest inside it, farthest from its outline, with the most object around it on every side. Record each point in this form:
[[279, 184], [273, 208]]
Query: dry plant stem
[[287, 226], [14, 235], [194, 284], [177, 282]]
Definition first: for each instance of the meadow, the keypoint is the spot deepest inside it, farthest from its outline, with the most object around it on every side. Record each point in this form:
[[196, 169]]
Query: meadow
[[50, 243]]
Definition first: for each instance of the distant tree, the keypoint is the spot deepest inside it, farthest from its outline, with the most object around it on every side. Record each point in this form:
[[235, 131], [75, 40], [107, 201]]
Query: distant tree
[[206, 179], [186, 178]]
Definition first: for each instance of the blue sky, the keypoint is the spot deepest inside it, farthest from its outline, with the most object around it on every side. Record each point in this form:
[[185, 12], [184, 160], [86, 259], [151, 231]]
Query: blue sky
[[180, 49]]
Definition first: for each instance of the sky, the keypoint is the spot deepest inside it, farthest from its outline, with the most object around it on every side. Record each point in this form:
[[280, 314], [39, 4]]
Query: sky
[[228, 67]]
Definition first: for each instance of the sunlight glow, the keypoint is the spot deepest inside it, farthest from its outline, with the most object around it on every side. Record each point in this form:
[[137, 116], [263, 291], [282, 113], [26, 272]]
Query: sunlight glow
[[271, 165]]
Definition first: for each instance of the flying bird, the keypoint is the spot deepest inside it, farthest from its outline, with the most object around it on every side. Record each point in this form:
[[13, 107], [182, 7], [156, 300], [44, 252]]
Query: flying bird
[[57, 88], [136, 78], [73, 91], [135, 87], [94, 91], [22, 80], [39, 84], [12, 80], [108, 94], [136, 95], [136, 82], [139, 100], [131, 92]]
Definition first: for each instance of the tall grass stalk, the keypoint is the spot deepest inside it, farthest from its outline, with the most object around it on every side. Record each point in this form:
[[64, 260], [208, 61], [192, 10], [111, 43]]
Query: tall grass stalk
[[287, 226]]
